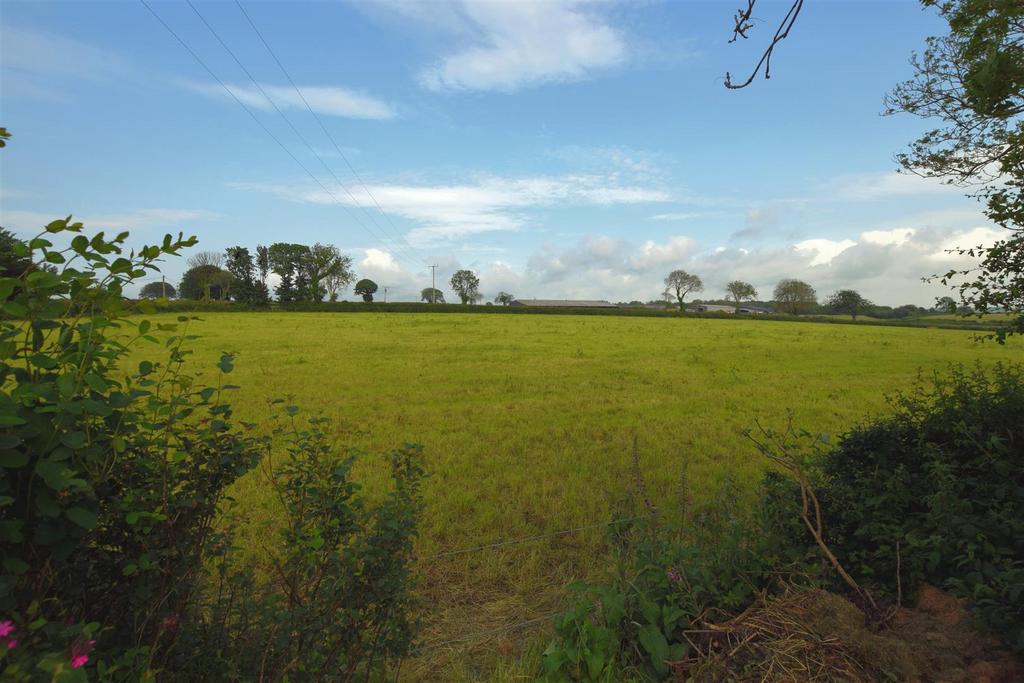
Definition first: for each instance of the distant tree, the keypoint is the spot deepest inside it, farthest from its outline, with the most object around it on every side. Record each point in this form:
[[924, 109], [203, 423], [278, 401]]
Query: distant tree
[[679, 283], [366, 289], [339, 276], [246, 288], [326, 270], [741, 291], [286, 261], [431, 295], [263, 262], [945, 304], [157, 290], [848, 301], [205, 272], [795, 297], [11, 265], [467, 285], [205, 282], [504, 298]]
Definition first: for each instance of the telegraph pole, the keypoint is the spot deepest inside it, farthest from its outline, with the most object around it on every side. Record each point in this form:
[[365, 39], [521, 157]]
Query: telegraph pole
[[433, 287]]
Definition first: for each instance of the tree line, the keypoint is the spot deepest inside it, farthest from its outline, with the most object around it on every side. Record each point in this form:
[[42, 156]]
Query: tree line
[[796, 297]]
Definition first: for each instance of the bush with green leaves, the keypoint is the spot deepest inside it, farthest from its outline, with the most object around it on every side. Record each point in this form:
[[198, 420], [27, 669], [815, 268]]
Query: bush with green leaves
[[673, 572], [112, 485], [937, 489]]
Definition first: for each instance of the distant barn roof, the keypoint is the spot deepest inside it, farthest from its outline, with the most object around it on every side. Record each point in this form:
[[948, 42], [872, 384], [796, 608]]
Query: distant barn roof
[[564, 303]]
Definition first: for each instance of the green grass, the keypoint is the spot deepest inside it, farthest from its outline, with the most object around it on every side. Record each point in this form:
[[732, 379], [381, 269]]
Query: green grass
[[528, 423]]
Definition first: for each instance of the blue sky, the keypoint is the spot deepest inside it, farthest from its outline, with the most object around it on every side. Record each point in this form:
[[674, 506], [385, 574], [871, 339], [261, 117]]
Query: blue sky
[[557, 148]]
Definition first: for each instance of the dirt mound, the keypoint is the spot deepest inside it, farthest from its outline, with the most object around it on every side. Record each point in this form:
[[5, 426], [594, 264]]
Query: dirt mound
[[813, 635]]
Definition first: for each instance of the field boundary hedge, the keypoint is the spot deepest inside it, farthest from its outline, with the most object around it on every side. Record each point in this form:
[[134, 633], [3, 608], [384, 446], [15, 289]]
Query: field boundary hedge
[[415, 307]]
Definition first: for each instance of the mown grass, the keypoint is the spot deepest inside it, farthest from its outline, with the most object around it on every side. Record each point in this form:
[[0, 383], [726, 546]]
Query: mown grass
[[528, 422]]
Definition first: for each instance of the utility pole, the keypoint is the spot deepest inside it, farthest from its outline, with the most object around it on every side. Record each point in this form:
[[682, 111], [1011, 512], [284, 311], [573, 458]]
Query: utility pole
[[433, 287]]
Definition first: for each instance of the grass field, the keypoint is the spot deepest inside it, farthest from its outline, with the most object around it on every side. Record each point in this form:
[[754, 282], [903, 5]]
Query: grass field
[[528, 423]]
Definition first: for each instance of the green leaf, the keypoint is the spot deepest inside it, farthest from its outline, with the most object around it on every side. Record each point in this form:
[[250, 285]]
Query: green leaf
[[654, 642], [8, 441], [16, 565], [96, 382], [43, 361], [7, 286], [73, 440], [130, 569], [13, 459], [82, 517]]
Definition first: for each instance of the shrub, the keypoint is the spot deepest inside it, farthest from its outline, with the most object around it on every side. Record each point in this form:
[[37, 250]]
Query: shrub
[[111, 486], [674, 572], [938, 488]]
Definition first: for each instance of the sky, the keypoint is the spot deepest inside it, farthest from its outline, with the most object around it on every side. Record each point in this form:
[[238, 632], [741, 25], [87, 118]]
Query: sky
[[559, 149]]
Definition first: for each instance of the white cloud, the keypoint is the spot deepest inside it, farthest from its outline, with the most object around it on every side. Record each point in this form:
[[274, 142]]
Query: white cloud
[[25, 222], [47, 54], [868, 186], [379, 263], [510, 45], [330, 100], [445, 212], [677, 216], [896, 236], [981, 236], [606, 267], [652, 255], [822, 251]]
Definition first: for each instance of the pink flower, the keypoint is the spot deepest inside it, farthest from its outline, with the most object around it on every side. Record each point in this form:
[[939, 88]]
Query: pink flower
[[6, 628], [80, 652], [11, 644]]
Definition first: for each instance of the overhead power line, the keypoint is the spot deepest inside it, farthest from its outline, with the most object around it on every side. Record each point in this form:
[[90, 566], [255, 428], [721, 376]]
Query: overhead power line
[[327, 133], [256, 84], [253, 116]]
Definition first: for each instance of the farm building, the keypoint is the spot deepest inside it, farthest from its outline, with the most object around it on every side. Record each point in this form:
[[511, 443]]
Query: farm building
[[711, 308], [721, 308], [563, 303]]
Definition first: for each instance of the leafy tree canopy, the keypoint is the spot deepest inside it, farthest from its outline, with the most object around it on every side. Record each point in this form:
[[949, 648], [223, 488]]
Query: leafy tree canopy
[[795, 296], [467, 285], [740, 291], [679, 284], [848, 301], [366, 288], [971, 81], [431, 295], [158, 290]]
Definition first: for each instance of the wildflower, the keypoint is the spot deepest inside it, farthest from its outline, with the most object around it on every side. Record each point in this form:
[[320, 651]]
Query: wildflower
[[12, 643], [80, 653], [6, 628]]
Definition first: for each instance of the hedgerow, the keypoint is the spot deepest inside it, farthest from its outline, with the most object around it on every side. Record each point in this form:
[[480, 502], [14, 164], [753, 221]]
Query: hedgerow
[[113, 479]]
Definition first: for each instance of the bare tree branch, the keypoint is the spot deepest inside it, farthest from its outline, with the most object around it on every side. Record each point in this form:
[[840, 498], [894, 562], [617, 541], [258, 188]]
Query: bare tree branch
[[743, 23]]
